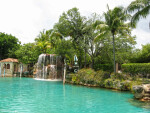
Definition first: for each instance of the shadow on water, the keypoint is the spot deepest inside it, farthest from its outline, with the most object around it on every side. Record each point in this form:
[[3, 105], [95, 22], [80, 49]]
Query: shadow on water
[[139, 104]]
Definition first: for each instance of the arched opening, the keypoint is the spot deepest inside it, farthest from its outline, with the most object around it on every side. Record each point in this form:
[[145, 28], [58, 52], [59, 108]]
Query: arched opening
[[8, 66]]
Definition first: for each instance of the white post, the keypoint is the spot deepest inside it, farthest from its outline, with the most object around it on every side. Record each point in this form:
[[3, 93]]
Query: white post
[[4, 70], [21, 69], [64, 71]]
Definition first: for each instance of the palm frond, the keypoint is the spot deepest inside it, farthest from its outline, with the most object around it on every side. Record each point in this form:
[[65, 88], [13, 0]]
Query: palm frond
[[135, 6], [97, 22], [145, 11], [140, 14], [100, 36], [141, 9], [102, 27]]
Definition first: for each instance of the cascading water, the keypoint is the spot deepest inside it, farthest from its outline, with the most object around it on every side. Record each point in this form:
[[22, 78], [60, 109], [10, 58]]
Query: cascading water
[[49, 67]]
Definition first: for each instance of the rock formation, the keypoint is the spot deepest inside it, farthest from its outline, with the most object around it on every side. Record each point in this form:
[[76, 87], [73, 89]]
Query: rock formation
[[142, 92]]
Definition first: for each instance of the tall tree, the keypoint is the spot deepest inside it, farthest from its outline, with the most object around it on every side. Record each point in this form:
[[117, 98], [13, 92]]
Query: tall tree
[[28, 53], [54, 37], [8, 45], [71, 25], [141, 56], [65, 50], [114, 24], [140, 8], [91, 47]]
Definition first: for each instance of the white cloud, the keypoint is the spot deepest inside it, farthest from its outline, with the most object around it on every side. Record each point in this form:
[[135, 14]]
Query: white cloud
[[142, 32], [26, 18], [143, 37]]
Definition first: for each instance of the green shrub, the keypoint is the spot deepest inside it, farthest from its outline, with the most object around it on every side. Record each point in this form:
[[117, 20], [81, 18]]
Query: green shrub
[[133, 83], [116, 84], [17, 74], [26, 73], [136, 68], [119, 76], [89, 76], [75, 79], [69, 76], [100, 77], [104, 67], [108, 83], [103, 74], [125, 86], [86, 76]]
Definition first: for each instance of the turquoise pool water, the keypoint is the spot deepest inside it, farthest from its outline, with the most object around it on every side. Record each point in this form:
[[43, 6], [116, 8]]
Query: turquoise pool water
[[26, 95]]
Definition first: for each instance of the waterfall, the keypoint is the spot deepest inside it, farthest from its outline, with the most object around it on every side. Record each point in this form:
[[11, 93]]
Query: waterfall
[[43, 71], [46, 71], [48, 66]]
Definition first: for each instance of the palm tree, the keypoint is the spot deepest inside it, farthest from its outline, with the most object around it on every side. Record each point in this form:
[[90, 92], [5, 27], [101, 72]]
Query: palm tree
[[114, 24], [44, 45], [42, 41], [42, 36], [54, 37], [48, 39], [140, 8]]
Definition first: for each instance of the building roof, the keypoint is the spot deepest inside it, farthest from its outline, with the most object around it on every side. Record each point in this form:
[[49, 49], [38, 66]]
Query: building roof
[[9, 60]]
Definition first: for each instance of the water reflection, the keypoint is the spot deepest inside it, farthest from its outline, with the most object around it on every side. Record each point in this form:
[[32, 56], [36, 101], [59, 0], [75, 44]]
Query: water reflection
[[139, 104]]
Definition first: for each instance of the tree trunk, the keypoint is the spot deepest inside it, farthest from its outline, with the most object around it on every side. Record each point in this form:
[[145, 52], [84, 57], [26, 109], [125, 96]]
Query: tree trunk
[[0, 53], [80, 61], [92, 62], [85, 59], [114, 53]]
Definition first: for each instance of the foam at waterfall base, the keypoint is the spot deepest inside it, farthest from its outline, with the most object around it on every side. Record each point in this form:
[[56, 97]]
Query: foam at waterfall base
[[47, 79]]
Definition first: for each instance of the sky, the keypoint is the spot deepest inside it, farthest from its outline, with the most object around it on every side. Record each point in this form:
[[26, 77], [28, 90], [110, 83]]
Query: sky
[[24, 19]]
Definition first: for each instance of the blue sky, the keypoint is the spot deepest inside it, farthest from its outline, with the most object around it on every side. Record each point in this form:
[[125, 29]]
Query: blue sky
[[26, 18]]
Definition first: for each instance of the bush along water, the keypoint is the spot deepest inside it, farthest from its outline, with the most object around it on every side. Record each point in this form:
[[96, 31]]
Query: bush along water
[[104, 67], [100, 78], [136, 69]]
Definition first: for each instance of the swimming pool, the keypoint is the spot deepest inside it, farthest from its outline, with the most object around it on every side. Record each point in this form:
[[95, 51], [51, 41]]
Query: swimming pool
[[26, 95]]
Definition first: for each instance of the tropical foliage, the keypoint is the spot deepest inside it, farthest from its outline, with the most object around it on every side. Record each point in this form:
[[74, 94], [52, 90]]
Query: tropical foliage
[[27, 53], [141, 55], [136, 68], [8, 45], [114, 25], [140, 8], [89, 77], [99, 41]]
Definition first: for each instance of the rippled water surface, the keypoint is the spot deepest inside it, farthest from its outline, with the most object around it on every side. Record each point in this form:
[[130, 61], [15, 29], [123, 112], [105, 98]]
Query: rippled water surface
[[26, 95]]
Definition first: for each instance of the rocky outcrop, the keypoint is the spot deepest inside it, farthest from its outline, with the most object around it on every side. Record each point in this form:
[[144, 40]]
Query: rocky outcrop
[[142, 92]]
